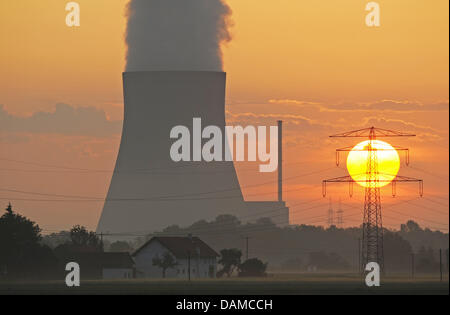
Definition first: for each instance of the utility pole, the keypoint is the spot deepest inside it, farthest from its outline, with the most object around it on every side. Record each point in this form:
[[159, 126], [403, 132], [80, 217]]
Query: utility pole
[[412, 266], [446, 260], [359, 255], [189, 265], [440, 263], [280, 160], [246, 247], [101, 240]]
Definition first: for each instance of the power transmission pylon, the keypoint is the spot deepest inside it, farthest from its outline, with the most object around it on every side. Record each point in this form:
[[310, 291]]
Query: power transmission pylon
[[340, 216], [372, 235], [330, 214]]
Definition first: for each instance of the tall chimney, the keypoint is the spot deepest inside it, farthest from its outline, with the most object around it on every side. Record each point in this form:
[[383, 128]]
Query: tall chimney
[[280, 160]]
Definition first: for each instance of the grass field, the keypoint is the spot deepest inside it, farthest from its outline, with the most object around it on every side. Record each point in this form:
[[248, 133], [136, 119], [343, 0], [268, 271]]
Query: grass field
[[290, 284]]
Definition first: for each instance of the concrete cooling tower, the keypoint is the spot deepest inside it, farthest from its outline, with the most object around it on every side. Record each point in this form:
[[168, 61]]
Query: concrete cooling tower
[[149, 191]]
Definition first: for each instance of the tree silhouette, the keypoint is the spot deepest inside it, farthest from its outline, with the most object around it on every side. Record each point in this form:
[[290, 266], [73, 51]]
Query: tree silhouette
[[230, 259], [252, 268], [82, 238], [21, 253], [166, 262]]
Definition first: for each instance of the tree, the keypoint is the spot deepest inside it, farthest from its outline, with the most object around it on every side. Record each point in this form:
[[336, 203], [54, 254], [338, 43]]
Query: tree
[[252, 268], [166, 262], [397, 252], [426, 260], [410, 226], [82, 238], [226, 219], [53, 240], [21, 254], [230, 259]]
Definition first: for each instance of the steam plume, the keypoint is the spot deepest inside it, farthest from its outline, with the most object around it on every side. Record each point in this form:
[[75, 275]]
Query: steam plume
[[170, 35]]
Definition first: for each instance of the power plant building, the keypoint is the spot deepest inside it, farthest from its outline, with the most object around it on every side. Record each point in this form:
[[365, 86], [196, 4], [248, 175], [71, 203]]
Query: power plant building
[[148, 190]]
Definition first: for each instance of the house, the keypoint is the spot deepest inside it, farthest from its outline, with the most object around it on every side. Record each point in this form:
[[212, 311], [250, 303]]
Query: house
[[193, 258], [117, 266], [101, 265]]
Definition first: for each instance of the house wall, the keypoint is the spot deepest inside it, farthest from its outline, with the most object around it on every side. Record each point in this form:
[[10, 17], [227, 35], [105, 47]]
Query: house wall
[[200, 267], [119, 273]]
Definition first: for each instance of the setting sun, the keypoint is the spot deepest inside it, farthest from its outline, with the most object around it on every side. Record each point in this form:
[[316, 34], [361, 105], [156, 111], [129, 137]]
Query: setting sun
[[388, 162]]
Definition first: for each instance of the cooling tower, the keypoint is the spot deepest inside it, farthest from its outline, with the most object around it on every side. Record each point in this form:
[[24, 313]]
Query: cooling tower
[[149, 191]]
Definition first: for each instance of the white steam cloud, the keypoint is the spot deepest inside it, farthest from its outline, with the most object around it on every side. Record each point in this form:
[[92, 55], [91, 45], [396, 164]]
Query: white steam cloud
[[171, 35]]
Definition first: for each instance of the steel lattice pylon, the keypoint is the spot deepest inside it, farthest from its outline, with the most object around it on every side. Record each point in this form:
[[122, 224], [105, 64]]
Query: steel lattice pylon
[[372, 250], [372, 228]]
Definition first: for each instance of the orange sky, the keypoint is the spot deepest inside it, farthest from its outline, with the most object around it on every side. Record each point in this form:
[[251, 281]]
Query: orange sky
[[313, 64]]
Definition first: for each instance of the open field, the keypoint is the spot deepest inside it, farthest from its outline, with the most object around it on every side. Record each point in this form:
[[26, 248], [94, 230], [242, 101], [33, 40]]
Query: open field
[[277, 284]]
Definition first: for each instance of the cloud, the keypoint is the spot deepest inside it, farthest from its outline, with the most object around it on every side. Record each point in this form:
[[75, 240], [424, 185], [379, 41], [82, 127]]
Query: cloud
[[295, 102], [379, 105], [291, 121], [405, 105], [424, 133], [65, 120]]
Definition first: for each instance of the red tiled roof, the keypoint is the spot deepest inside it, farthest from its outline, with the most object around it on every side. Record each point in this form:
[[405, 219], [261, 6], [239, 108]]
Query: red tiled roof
[[182, 247]]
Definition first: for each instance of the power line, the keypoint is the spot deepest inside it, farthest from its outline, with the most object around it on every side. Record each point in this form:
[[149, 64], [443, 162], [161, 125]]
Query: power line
[[214, 228], [215, 232], [63, 168], [419, 218], [430, 195], [229, 224], [159, 198], [429, 173], [85, 198], [428, 226], [305, 220], [254, 215], [427, 208]]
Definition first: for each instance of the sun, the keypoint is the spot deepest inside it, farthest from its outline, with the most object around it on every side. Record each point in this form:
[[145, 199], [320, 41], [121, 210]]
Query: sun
[[388, 162]]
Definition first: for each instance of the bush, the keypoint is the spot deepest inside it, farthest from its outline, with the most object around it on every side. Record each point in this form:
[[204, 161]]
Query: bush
[[253, 268]]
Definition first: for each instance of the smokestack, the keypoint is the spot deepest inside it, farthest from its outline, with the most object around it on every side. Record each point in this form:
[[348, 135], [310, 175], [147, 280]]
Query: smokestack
[[280, 160]]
